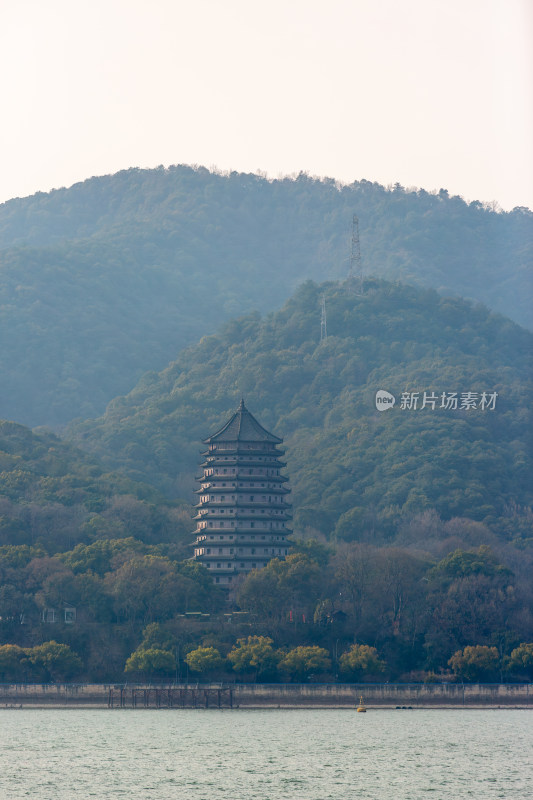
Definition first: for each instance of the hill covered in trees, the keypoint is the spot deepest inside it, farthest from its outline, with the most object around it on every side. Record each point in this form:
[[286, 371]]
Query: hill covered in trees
[[358, 474], [412, 549], [95, 585], [54, 497], [113, 277]]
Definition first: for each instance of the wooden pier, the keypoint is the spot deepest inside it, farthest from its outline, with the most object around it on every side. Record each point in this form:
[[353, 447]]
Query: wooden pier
[[188, 697]]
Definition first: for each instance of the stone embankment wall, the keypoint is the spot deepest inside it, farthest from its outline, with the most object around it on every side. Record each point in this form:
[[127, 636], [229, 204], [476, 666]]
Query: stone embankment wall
[[505, 695], [386, 695]]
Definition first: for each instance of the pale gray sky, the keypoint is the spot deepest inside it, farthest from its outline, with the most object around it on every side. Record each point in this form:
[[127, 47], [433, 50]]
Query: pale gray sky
[[429, 93]]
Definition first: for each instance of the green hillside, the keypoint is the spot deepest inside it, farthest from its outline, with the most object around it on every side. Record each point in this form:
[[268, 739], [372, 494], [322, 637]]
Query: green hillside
[[112, 277], [413, 526], [357, 473], [53, 497], [74, 536]]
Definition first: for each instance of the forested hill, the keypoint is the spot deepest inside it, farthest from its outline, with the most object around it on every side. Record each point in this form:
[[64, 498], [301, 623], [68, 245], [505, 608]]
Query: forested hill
[[356, 472], [112, 277], [54, 497]]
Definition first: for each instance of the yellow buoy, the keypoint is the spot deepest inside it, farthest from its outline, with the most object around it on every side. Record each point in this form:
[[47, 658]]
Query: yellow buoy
[[361, 707]]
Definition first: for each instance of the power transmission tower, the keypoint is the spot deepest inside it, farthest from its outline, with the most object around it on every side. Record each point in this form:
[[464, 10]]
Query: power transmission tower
[[323, 320], [355, 275]]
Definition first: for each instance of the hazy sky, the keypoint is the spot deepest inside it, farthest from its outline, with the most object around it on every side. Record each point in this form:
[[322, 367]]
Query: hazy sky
[[428, 93]]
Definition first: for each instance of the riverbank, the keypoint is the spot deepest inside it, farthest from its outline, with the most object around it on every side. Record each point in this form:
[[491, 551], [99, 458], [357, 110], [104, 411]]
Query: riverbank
[[175, 696]]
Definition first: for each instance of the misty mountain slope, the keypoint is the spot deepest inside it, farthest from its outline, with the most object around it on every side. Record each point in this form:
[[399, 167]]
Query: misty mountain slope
[[54, 496], [352, 467], [113, 277]]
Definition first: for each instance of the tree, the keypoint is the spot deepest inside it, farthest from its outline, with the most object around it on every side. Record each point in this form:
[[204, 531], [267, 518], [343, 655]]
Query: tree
[[149, 587], [151, 662], [302, 662], [354, 567], [55, 661], [293, 583], [254, 655], [521, 659], [460, 563], [155, 635], [258, 593], [361, 659], [205, 660], [11, 660], [398, 584], [475, 662]]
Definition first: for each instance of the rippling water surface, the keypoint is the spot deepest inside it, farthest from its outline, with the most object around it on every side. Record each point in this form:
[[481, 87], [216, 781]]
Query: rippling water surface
[[265, 755]]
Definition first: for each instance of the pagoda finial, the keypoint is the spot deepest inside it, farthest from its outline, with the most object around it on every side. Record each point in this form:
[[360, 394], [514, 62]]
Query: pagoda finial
[[241, 406]]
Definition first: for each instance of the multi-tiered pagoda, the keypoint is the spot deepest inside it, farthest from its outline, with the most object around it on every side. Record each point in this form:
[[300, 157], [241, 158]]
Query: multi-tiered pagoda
[[242, 512]]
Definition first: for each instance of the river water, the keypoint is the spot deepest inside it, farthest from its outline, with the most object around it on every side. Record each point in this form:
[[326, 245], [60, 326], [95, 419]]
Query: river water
[[56, 754]]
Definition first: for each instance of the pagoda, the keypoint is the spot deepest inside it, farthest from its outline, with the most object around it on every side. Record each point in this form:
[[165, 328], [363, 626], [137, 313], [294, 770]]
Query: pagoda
[[242, 509]]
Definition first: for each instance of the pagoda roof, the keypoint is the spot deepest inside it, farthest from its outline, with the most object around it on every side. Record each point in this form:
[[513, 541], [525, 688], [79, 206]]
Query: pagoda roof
[[242, 427]]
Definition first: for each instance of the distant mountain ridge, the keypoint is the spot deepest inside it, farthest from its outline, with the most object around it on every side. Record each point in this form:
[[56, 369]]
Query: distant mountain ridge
[[112, 277]]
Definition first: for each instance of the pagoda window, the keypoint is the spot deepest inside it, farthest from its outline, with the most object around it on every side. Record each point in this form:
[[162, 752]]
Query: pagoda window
[[218, 565], [253, 566], [208, 550], [242, 564], [231, 551], [253, 550], [217, 579], [219, 549], [210, 524]]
